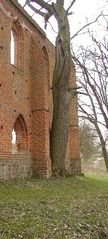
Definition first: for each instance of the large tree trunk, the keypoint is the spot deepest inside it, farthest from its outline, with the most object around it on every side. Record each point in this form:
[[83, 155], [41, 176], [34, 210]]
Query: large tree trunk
[[105, 155], [103, 146], [60, 125], [61, 95]]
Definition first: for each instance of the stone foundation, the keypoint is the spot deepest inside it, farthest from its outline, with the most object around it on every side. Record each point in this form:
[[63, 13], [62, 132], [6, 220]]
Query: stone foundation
[[16, 168]]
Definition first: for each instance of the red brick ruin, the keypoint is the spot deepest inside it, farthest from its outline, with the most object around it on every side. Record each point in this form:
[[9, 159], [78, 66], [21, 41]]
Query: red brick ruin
[[26, 98]]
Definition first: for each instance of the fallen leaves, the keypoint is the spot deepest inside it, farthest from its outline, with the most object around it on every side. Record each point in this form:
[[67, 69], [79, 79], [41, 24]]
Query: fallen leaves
[[74, 208]]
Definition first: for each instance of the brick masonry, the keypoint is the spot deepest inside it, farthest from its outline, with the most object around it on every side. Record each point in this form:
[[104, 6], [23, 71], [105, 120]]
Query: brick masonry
[[26, 98]]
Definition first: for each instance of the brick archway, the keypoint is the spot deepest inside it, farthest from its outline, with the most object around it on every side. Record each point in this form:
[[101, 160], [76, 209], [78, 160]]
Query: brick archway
[[21, 134]]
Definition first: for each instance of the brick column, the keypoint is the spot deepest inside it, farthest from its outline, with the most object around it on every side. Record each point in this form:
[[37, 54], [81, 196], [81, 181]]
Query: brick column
[[73, 160], [40, 113]]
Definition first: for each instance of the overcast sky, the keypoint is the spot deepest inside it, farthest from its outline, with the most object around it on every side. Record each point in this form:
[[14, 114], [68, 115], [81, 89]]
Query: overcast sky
[[81, 9]]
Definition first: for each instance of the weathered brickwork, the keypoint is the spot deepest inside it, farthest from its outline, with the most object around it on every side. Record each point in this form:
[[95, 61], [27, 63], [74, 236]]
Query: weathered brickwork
[[26, 98], [19, 167]]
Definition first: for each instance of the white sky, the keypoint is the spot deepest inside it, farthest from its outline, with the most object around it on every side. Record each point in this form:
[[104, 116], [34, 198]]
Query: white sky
[[81, 9]]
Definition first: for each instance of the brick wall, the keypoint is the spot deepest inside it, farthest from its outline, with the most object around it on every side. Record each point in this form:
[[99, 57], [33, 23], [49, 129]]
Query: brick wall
[[26, 97]]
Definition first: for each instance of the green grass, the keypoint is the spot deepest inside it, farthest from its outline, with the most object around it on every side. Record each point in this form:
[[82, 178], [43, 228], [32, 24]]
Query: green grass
[[89, 166], [72, 208]]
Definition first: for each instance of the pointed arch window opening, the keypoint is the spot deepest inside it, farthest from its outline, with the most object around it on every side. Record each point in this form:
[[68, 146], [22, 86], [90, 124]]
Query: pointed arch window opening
[[16, 46], [14, 142], [19, 136], [12, 48], [14, 138]]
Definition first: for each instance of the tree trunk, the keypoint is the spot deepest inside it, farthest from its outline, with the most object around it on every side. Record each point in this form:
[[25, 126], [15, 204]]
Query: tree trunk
[[105, 155], [103, 146], [59, 131], [61, 99], [62, 95]]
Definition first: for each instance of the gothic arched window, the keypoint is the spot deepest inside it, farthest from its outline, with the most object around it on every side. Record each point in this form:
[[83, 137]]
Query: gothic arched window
[[16, 45]]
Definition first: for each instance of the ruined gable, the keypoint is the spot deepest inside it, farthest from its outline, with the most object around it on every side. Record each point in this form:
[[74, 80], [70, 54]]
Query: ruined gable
[[26, 97]]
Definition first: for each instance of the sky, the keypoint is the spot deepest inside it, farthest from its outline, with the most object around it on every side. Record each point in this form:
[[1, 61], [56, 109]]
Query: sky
[[82, 10]]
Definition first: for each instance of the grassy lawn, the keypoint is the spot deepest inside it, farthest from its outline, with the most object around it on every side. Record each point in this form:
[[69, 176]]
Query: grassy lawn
[[73, 208]]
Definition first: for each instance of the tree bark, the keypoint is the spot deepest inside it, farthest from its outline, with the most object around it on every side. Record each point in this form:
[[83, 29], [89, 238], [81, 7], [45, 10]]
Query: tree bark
[[103, 145], [105, 155], [61, 94]]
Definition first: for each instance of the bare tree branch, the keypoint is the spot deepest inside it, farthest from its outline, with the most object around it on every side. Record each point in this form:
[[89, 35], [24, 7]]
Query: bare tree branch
[[72, 3], [86, 25], [41, 3]]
